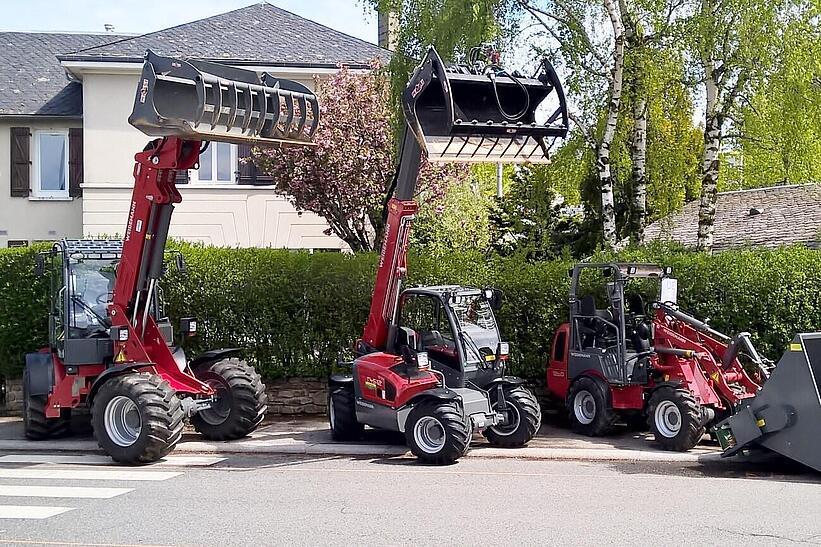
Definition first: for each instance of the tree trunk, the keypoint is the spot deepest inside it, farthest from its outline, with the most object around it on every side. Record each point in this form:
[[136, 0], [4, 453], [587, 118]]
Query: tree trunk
[[710, 163], [638, 156], [608, 210]]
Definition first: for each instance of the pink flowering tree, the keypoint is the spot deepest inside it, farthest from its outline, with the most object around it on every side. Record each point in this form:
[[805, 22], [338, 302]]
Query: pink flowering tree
[[346, 177]]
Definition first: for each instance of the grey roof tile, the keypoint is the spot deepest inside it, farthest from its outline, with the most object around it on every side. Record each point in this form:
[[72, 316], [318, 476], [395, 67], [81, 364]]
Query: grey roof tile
[[32, 82], [789, 215], [260, 34]]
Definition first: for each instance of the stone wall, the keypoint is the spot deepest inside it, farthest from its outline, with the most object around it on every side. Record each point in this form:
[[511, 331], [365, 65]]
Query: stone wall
[[297, 396], [14, 397], [294, 396]]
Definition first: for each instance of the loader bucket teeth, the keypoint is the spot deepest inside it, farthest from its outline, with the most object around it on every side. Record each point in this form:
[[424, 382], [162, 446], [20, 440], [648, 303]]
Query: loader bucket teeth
[[204, 101], [785, 415], [458, 115]]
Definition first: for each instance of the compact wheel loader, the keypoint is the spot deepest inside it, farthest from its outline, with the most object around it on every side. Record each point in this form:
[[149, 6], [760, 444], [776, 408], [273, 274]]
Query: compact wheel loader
[[658, 365], [431, 363], [111, 347]]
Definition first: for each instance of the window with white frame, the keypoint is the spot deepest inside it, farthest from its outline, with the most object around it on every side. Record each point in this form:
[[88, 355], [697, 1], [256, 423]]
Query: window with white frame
[[218, 164], [50, 164]]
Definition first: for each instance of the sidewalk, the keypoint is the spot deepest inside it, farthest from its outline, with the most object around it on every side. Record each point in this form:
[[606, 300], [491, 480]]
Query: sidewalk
[[311, 436]]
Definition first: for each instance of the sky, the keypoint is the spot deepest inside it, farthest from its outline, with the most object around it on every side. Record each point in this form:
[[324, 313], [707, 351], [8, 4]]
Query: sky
[[141, 16]]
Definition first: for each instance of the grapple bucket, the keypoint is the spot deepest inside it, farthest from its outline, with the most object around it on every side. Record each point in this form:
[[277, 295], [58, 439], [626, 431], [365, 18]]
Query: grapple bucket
[[458, 113], [785, 415], [206, 101]]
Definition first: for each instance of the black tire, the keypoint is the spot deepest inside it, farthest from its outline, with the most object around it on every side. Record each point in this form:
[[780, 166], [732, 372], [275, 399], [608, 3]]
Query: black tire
[[342, 415], [241, 400], [150, 425], [674, 417], [35, 424], [526, 414], [589, 408], [437, 432]]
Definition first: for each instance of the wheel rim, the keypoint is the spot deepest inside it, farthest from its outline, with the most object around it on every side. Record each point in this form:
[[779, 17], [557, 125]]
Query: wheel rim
[[220, 406], [668, 419], [123, 422], [510, 426], [429, 434], [584, 407]]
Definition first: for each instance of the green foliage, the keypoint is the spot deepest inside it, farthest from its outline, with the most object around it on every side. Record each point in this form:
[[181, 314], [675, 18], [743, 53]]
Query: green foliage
[[296, 313], [781, 140], [456, 223]]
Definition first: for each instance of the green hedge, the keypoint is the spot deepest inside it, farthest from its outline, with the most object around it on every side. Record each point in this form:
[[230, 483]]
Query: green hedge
[[296, 313]]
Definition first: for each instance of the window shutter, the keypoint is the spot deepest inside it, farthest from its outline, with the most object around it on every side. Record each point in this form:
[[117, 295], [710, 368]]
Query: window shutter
[[75, 162], [181, 176], [248, 172], [20, 162]]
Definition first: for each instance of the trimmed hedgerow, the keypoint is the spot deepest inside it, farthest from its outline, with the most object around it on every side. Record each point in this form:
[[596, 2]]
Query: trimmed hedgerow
[[296, 314]]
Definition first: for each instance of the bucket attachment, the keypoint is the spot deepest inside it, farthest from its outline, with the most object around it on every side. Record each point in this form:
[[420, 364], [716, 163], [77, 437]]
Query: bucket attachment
[[785, 415], [482, 113], [205, 101]]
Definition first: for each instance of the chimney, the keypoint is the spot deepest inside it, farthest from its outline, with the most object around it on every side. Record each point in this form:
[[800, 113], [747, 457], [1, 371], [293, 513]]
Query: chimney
[[388, 28]]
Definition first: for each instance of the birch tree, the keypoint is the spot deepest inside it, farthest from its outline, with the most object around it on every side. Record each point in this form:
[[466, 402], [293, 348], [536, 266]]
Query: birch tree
[[589, 38], [732, 43]]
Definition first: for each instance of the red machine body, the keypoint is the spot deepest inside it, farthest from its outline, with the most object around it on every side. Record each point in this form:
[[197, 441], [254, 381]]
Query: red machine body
[[145, 349], [701, 372]]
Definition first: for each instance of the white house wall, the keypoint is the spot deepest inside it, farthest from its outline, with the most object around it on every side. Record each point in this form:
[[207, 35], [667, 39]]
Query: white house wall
[[29, 219], [223, 215]]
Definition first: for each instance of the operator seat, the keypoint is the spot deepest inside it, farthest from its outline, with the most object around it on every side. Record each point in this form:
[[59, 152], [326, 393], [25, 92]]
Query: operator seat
[[593, 328], [640, 332]]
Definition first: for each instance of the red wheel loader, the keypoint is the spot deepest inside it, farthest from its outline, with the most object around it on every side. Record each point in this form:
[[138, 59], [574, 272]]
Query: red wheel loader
[[660, 364], [645, 364], [111, 346], [431, 363]]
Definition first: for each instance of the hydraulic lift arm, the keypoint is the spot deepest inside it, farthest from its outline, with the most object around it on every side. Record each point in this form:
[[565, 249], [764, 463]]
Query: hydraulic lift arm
[[186, 104], [457, 113]]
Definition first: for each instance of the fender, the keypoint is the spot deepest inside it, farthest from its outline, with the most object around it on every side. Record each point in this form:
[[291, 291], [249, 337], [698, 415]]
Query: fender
[[109, 373], [38, 375], [212, 355], [437, 393], [341, 380], [504, 380]]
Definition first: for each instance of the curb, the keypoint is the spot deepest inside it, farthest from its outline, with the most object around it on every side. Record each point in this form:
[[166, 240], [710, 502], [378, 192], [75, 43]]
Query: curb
[[375, 450]]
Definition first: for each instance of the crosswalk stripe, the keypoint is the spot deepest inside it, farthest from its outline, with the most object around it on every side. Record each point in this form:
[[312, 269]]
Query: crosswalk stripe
[[29, 491], [95, 459], [30, 511], [86, 474]]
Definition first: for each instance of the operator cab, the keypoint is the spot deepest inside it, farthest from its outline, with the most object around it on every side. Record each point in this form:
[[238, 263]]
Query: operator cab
[[83, 273], [457, 328], [615, 337]]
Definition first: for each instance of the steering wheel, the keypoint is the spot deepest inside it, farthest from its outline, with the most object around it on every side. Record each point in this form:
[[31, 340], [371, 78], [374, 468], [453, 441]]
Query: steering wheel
[[103, 298]]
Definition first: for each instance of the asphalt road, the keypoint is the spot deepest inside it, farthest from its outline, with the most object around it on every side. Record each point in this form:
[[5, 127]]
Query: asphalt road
[[197, 500]]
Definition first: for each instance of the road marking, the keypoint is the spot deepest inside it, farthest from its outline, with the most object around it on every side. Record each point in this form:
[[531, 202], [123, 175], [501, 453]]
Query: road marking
[[28, 491], [86, 474], [95, 459], [72, 544], [30, 511]]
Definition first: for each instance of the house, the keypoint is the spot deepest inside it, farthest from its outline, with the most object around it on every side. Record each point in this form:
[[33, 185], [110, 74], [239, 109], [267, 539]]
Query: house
[[761, 217], [66, 148]]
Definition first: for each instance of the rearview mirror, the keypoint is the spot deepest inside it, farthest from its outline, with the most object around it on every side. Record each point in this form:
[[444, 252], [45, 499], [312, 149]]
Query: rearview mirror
[[39, 265], [179, 261]]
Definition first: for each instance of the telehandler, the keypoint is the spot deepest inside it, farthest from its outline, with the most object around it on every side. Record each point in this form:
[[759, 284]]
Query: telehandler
[[431, 362], [111, 347]]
